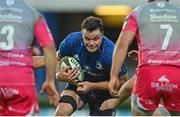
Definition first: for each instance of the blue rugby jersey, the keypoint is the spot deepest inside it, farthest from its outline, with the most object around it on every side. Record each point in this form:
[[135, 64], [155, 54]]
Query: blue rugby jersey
[[96, 66]]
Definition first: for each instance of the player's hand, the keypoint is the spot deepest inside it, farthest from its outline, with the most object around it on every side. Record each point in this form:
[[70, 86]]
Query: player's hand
[[114, 86], [62, 73], [73, 74], [133, 54], [84, 87], [109, 104], [49, 87], [68, 75]]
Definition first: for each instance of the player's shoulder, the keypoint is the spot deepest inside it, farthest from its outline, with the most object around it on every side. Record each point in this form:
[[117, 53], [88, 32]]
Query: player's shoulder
[[142, 8], [107, 49], [75, 35], [73, 39], [137, 10], [30, 11], [107, 44]]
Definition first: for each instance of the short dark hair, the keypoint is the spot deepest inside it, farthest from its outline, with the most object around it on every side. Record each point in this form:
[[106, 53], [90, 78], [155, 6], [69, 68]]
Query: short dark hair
[[92, 23]]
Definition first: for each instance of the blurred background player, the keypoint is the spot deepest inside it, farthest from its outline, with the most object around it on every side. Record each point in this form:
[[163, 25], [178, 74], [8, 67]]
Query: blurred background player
[[19, 23], [94, 52], [156, 26]]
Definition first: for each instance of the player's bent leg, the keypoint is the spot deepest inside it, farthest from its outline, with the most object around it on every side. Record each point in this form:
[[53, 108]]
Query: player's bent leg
[[68, 104], [63, 109], [80, 103], [137, 109], [139, 112]]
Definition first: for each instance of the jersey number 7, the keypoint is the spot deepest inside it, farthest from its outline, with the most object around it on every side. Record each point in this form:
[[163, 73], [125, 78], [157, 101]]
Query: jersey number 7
[[168, 35]]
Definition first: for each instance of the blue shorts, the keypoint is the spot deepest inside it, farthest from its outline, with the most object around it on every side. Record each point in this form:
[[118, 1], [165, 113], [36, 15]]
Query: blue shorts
[[94, 99]]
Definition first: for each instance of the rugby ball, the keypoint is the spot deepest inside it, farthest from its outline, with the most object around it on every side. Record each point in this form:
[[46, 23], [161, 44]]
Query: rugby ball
[[71, 62]]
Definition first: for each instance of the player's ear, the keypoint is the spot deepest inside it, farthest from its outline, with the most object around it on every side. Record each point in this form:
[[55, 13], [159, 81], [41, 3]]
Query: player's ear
[[102, 32]]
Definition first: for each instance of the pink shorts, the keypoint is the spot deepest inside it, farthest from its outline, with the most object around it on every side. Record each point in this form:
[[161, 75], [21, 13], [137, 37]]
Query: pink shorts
[[155, 83], [18, 101]]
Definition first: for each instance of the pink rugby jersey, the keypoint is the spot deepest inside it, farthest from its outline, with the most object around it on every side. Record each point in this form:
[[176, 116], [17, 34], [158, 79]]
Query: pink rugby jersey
[[157, 33], [18, 27]]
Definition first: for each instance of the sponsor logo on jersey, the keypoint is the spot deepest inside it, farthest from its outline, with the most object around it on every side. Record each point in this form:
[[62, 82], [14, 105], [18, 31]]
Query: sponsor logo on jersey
[[99, 65], [9, 92], [163, 79], [163, 18], [163, 84]]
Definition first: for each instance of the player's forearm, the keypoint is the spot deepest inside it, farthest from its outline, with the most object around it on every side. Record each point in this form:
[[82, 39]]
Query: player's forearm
[[50, 62], [100, 85], [124, 96], [119, 56], [120, 51], [38, 61], [58, 60], [58, 75], [125, 90], [123, 79]]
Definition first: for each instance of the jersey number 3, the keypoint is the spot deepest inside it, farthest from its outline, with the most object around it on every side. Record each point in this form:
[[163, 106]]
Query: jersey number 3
[[167, 36], [8, 31]]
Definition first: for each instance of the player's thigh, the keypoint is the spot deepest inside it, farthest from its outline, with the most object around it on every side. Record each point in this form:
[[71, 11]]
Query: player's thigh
[[137, 110], [63, 109], [74, 95], [23, 102], [145, 98], [171, 90], [167, 84]]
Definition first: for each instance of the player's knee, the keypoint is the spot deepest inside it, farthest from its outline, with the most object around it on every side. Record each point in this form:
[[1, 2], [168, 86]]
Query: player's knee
[[137, 109], [70, 100], [64, 109], [80, 105]]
